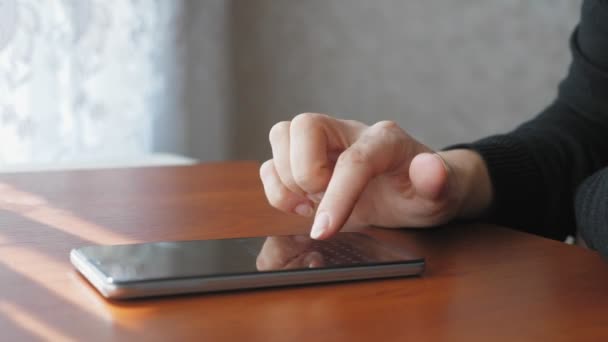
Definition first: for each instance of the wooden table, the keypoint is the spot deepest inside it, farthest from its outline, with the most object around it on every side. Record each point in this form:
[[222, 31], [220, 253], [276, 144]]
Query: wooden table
[[482, 282]]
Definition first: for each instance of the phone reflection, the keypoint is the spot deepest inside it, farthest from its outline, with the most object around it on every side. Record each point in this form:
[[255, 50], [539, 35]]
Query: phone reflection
[[300, 251], [288, 252]]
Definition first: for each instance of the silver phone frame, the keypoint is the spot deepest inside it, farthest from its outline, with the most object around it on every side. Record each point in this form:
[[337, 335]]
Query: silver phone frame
[[148, 288]]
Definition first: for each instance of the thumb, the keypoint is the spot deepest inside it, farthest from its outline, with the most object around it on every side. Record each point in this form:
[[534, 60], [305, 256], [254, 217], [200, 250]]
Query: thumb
[[429, 175]]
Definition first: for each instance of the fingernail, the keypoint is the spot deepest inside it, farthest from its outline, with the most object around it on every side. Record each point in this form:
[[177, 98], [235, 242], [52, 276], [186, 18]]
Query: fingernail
[[308, 261], [313, 259], [443, 161], [316, 197], [320, 225], [304, 210]]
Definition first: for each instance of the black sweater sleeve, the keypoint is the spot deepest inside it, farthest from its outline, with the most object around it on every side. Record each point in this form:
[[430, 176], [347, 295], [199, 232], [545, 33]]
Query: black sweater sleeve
[[536, 169], [592, 211]]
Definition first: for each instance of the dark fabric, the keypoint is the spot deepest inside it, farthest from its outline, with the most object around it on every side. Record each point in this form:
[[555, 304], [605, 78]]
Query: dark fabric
[[592, 211], [537, 168]]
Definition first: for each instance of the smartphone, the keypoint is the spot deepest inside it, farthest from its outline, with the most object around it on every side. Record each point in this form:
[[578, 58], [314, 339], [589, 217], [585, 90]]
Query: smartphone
[[169, 268]]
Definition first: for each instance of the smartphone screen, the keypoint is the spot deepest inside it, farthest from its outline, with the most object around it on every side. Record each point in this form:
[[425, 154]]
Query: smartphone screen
[[238, 263]]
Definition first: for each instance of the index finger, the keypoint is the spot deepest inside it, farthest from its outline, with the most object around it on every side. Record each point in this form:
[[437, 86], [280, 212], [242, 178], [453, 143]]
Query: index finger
[[383, 147]]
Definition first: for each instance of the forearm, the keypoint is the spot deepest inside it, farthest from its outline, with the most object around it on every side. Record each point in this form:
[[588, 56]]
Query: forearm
[[535, 169]]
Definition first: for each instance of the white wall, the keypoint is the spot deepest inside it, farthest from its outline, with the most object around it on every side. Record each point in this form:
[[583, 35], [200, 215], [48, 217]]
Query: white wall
[[447, 71], [217, 74]]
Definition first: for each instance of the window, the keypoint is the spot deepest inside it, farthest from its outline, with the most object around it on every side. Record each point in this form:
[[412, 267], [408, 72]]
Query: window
[[82, 79]]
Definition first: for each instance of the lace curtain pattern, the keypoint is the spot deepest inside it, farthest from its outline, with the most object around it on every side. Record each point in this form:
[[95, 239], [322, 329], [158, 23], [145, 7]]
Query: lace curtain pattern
[[81, 79]]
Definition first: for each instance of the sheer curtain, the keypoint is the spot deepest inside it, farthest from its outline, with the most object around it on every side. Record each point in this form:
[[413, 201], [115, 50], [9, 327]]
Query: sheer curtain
[[83, 79]]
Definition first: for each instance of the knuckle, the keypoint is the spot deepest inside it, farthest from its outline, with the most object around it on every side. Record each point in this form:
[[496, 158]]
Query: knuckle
[[355, 157], [310, 180], [289, 182], [275, 194], [266, 169], [278, 131], [386, 127], [277, 198], [307, 119], [387, 124], [386, 132]]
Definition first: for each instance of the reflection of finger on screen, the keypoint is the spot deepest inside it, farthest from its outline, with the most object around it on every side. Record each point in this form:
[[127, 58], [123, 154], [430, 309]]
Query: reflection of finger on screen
[[314, 259]]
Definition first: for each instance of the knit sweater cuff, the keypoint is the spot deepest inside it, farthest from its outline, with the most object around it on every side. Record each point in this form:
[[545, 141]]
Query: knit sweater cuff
[[511, 167], [592, 211]]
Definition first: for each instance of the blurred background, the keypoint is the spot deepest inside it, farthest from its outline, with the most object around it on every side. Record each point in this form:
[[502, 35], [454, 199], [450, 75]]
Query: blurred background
[[144, 82]]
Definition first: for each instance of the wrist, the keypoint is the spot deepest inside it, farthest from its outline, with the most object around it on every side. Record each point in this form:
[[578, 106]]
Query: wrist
[[469, 183]]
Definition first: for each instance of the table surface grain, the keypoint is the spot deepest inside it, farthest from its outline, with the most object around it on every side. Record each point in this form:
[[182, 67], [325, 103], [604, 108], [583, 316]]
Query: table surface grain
[[482, 282]]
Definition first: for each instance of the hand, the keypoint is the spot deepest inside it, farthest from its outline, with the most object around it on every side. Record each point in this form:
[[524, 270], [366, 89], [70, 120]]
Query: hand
[[361, 175], [288, 252]]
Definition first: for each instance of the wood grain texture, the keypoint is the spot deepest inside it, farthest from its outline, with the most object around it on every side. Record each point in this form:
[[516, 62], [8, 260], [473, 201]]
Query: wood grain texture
[[482, 282]]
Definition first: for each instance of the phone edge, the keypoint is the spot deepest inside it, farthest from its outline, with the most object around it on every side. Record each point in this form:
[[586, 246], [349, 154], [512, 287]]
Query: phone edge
[[155, 288]]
